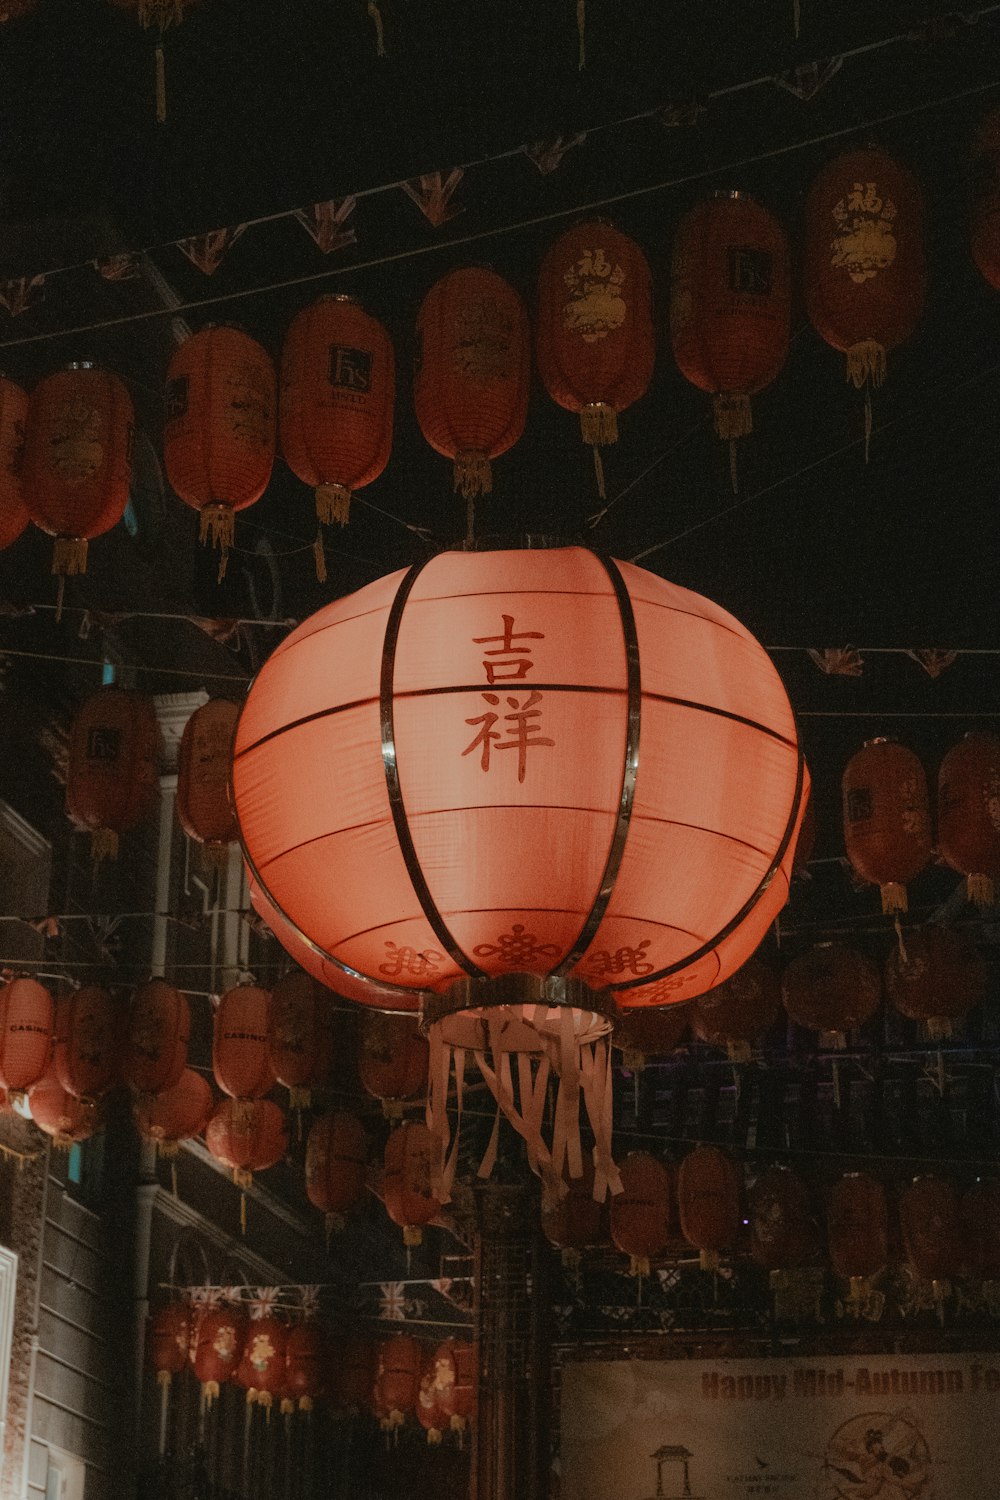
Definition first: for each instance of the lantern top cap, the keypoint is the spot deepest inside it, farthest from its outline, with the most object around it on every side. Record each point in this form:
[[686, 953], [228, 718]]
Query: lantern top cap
[[733, 193], [340, 297], [880, 739], [80, 364]]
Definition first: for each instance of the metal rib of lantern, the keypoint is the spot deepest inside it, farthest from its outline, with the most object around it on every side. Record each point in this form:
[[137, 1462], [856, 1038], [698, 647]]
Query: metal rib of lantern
[[504, 864]]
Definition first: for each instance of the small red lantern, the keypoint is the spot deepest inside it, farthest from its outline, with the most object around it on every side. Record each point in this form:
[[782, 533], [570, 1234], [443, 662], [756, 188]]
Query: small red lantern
[[397, 1382], [305, 1354], [241, 1043], [66, 1119], [352, 1366], [740, 1011], [934, 975], [831, 989], [865, 279], [203, 761], [177, 1114], [980, 1217], [168, 1340], [457, 1381], [574, 1220], [247, 1135], [473, 372], [985, 227], [392, 1060], [640, 1213], [111, 777], [156, 1045], [857, 1228], [650, 1033], [596, 346], [708, 1195], [77, 459], [219, 436], [412, 1164], [262, 1370], [782, 1233], [336, 1163], [87, 1042], [222, 1333], [27, 1024], [930, 1220], [730, 305], [13, 416], [969, 814], [300, 1039], [887, 821], [430, 1413], [338, 393]]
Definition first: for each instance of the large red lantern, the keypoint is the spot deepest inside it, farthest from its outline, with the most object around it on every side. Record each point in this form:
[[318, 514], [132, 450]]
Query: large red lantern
[[411, 1168], [782, 1233], [111, 778], [596, 347], [300, 1040], [640, 1213], [887, 822], [473, 371], [538, 890], [13, 417], [241, 1043], [338, 393], [156, 1043], [203, 760], [219, 435], [247, 1135], [397, 1383], [708, 1196], [985, 226], [60, 1115], [262, 1371], [304, 1361], [737, 1013], [77, 459], [392, 1060], [857, 1229], [933, 974], [336, 1163], [730, 305], [221, 1336], [831, 989], [168, 1340], [930, 1221], [177, 1114], [865, 278], [27, 1022], [968, 806], [87, 1042]]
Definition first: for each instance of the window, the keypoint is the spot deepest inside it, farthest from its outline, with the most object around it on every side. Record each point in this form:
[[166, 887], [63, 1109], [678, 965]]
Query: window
[[65, 1476], [85, 1172], [25, 865]]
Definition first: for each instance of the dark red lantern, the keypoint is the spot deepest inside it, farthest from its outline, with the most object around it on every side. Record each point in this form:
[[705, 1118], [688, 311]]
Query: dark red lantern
[[13, 416], [730, 305], [338, 393], [351, 1369], [12, 10], [933, 974], [156, 1044], [397, 1382], [177, 1114], [247, 1135], [968, 805], [77, 459], [650, 1033], [831, 989], [111, 778], [241, 1042], [219, 436], [87, 1042], [737, 1013], [168, 1340], [573, 1220], [392, 1060], [473, 371], [640, 1213], [336, 1162], [305, 1355], [887, 823], [457, 1381], [980, 1221], [412, 1166], [221, 1336], [27, 1027], [300, 1041], [930, 1221], [985, 225], [708, 1196], [782, 1232], [203, 761], [596, 346], [262, 1370], [66, 1119], [857, 1229]]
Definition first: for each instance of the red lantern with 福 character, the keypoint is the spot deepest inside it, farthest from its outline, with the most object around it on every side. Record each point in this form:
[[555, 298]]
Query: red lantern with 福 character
[[832, 989], [13, 417], [392, 1060], [887, 821], [968, 807], [336, 1163], [203, 761], [737, 1013], [708, 1196], [222, 1333], [176, 1114], [595, 343], [219, 435], [241, 1042], [111, 776], [300, 1038], [730, 305], [457, 1381], [934, 974], [262, 1371], [473, 372], [77, 459], [412, 1165], [27, 1026], [640, 1213], [430, 1413], [87, 1042], [156, 1043]]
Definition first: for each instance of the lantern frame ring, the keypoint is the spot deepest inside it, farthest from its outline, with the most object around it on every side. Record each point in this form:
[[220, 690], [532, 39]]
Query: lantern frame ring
[[467, 997]]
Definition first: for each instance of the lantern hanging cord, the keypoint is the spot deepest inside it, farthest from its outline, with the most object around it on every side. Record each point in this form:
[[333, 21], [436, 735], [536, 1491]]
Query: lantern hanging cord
[[353, 268], [86, 661]]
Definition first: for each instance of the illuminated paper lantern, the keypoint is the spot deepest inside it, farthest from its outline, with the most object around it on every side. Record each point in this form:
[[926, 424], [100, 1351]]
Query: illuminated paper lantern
[[60, 1115], [933, 974], [304, 1360], [574, 1220], [87, 1042], [13, 417], [168, 1340], [397, 1382], [27, 1022], [221, 1335], [203, 761], [930, 1221], [457, 1380], [737, 1013], [781, 1226], [968, 807], [300, 1040], [336, 1163], [640, 1213], [857, 1230], [831, 989], [111, 779], [156, 1042], [392, 1060], [887, 821], [241, 1042], [176, 1114], [411, 1154], [248, 1136], [708, 1196]]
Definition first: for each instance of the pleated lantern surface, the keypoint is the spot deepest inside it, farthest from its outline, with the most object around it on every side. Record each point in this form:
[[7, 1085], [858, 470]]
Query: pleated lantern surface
[[640, 1213], [203, 761], [930, 1221], [411, 1169], [154, 1056], [304, 1362], [168, 1340], [781, 1226], [337, 401], [13, 419], [300, 1040], [397, 1382], [66, 1119], [832, 989], [392, 1060], [262, 1370], [87, 1042], [27, 1022], [887, 821], [934, 974], [176, 1114], [219, 437], [864, 271], [555, 883], [241, 1043], [247, 1135], [574, 1220], [77, 459], [473, 372], [857, 1229], [595, 343], [741, 1010], [730, 304], [985, 209], [222, 1333], [336, 1162], [708, 1197], [968, 809], [111, 779]]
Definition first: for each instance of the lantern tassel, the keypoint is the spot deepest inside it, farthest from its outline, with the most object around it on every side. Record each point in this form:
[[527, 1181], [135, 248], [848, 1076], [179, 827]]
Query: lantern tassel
[[638, 1265], [732, 415], [69, 556], [218, 528], [163, 1377], [162, 13], [376, 18], [473, 475], [581, 32], [981, 890], [796, 17], [602, 493], [893, 897], [708, 1260], [333, 504], [868, 422], [103, 845], [866, 364], [161, 84], [939, 1028], [412, 1236], [599, 424], [319, 556]]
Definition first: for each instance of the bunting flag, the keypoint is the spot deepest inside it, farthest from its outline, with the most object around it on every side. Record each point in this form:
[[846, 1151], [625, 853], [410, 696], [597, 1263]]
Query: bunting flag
[[838, 661], [392, 1301], [547, 155], [806, 81], [310, 1300], [123, 267], [326, 223], [432, 194], [18, 294], [687, 113], [934, 662], [208, 251]]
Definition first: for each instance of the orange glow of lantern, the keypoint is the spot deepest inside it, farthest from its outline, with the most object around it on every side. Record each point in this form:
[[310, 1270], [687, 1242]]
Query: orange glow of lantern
[[13, 417], [968, 805], [111, 778], [640, 1213], [203, 761], [887, 820]]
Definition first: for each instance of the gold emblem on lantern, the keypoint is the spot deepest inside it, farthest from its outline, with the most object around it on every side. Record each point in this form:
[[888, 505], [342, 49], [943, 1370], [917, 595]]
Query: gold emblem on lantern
[[482, 346], [262, 1351], [76, 453], [596, 306], [251, 415], [866, 243], [224, 1342]]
